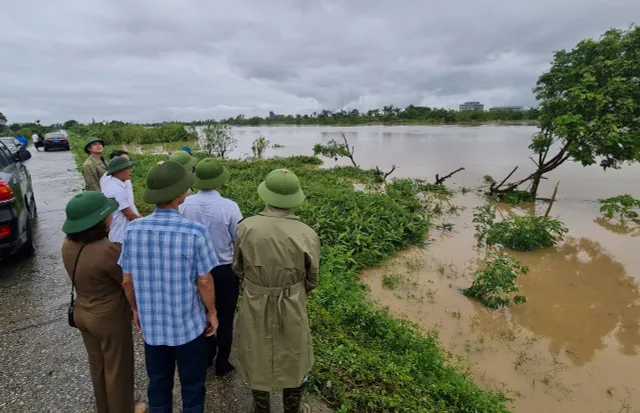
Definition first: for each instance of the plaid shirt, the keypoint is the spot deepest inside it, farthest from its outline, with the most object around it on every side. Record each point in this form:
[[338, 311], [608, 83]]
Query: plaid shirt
[[165, 253]]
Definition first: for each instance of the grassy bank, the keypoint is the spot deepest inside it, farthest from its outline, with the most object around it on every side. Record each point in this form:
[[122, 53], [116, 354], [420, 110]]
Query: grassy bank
[[366, 361]]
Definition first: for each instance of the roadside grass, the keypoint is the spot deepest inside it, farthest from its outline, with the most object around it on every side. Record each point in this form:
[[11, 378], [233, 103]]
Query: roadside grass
[[366, 361]]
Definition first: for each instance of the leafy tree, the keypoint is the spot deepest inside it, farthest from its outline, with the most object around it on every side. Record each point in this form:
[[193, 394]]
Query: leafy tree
[[334, 149], [217, 139], [69, 124], [3, 123], [259, 146], [589, 106]]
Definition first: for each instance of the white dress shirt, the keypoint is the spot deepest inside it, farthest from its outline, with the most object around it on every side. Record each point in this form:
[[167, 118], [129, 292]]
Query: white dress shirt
[[220, 217], [123, 194]]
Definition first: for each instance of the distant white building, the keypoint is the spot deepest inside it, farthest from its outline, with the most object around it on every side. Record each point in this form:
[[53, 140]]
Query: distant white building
[[471, 106], [506, 108]]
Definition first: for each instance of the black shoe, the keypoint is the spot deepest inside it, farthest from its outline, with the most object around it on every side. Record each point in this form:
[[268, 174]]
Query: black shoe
[[223, 371]]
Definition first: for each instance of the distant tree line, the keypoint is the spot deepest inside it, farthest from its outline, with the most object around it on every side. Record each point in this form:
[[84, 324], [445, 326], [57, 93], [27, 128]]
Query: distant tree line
[[387, 115]]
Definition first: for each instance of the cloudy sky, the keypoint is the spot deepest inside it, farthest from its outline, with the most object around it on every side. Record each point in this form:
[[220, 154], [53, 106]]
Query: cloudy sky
[[156, 60]]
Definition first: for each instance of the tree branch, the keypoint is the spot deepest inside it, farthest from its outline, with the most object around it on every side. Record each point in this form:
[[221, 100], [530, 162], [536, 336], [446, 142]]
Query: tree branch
[[440, 181], [495, 188], [349, 151]]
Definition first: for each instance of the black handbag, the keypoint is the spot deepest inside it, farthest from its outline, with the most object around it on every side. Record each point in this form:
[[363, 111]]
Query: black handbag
[[72, 322]]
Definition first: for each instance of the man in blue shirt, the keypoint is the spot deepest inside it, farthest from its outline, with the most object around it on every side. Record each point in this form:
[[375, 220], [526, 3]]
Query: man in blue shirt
[[166, 263], [220, 217]]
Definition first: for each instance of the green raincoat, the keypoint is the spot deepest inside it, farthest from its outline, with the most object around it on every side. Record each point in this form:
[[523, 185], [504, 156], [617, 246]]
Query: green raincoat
[[276, 258]]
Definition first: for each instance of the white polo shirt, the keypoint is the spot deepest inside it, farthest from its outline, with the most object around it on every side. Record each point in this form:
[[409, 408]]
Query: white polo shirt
[[123, 194]]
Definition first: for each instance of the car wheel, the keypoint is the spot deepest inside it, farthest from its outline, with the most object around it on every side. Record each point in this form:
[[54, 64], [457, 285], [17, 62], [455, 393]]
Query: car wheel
[[33, 209], [46, 149], [28, 249]]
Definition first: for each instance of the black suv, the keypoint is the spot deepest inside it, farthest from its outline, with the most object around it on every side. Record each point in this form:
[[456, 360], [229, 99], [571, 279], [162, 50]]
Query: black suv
[[17, 205]]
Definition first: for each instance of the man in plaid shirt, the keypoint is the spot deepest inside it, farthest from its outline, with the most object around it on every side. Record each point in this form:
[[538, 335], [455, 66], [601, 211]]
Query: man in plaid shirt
[[166, 262]]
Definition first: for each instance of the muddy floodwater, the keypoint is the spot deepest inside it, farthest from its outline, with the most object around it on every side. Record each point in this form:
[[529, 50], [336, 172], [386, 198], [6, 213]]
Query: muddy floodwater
[[573, 346]]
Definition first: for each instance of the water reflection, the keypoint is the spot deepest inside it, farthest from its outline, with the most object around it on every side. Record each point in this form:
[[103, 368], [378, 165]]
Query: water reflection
[[618, 227], [578, 295]]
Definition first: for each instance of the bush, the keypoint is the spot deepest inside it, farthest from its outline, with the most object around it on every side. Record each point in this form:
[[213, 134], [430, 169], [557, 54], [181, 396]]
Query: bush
[[622, 207], [526, 233], [259, 146], [217, 139], [495, 284]]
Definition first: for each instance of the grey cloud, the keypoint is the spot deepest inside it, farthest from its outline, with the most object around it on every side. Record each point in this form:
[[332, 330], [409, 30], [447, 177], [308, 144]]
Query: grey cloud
[[153, 60]]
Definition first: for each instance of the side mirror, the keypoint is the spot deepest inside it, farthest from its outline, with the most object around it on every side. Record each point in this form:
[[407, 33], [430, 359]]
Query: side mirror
[[24, 156]]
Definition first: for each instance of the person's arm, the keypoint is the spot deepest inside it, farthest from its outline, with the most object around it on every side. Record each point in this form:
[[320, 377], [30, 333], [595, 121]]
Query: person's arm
[[207, 290], [129, 214], [238, 265], [236, 217], [312, 264], [127, 280], [206, 259], [124, 203]]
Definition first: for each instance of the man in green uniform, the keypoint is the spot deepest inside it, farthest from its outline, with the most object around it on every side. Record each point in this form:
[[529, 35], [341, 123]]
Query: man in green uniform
[[276, 258], [95, 166]]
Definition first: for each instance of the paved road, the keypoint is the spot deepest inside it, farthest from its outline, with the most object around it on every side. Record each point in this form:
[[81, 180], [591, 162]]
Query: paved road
[[43, 363]]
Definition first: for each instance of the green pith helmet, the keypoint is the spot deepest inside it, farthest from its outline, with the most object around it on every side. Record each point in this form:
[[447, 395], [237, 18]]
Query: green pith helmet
[[183, 158], [281, 189], [166, 181], [87, 210], [210, 174], [89, 142], [117, 164]]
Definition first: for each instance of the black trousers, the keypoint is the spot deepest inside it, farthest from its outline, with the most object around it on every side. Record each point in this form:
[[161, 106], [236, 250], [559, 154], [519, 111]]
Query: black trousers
[[227, 290]]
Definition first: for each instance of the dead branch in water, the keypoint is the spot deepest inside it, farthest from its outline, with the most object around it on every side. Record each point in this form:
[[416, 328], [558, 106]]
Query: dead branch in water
[[350, 151], [440, 181], [494, 188], [553, 198], [384, 175]]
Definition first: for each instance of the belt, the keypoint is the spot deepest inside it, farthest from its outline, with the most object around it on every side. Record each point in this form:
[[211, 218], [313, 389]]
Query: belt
[[279, 292]]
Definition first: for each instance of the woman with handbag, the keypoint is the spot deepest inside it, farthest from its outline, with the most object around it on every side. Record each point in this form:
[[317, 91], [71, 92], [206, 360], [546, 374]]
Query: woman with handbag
[[100, 311]]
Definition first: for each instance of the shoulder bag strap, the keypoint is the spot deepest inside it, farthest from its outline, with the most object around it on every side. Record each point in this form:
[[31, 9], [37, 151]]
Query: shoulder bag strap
[[73, 274]]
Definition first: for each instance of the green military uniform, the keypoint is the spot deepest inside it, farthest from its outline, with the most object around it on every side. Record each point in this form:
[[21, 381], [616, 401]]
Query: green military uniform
[[276, 257], [93, 169]]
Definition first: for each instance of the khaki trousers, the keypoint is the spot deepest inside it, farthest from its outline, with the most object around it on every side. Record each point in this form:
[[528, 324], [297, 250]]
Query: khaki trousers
[[109, 342]]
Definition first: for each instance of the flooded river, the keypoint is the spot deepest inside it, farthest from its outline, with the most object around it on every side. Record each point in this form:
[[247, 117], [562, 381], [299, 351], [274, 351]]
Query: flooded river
[[573, 347]]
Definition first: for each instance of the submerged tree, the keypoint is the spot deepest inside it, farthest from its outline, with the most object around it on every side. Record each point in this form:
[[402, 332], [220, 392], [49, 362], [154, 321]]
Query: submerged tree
[[589, 107], [259, 146], [217, 139]]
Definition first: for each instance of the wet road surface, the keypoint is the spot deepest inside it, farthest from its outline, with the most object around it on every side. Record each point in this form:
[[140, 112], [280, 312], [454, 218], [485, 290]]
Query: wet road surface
[[43, 362]]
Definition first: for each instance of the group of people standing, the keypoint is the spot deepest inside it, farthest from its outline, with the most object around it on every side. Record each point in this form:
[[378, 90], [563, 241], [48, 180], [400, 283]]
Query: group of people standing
[[177, 274]]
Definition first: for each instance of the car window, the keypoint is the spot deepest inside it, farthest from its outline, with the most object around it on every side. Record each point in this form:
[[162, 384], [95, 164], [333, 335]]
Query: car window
[[5, 158]]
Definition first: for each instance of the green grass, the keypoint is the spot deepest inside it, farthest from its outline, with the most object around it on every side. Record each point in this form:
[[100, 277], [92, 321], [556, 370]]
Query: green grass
[[366, 361]]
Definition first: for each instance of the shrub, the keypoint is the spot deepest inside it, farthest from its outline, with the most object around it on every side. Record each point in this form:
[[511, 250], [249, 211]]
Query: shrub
[[495, 283], [217, 139], [259, 146], [621, 207], [516, 197], [526, 233]]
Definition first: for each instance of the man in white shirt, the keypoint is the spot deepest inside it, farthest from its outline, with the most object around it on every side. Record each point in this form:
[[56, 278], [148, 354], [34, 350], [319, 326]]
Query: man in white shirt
[[106, 176], [119, 171], [36, 141], [220, 217]]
